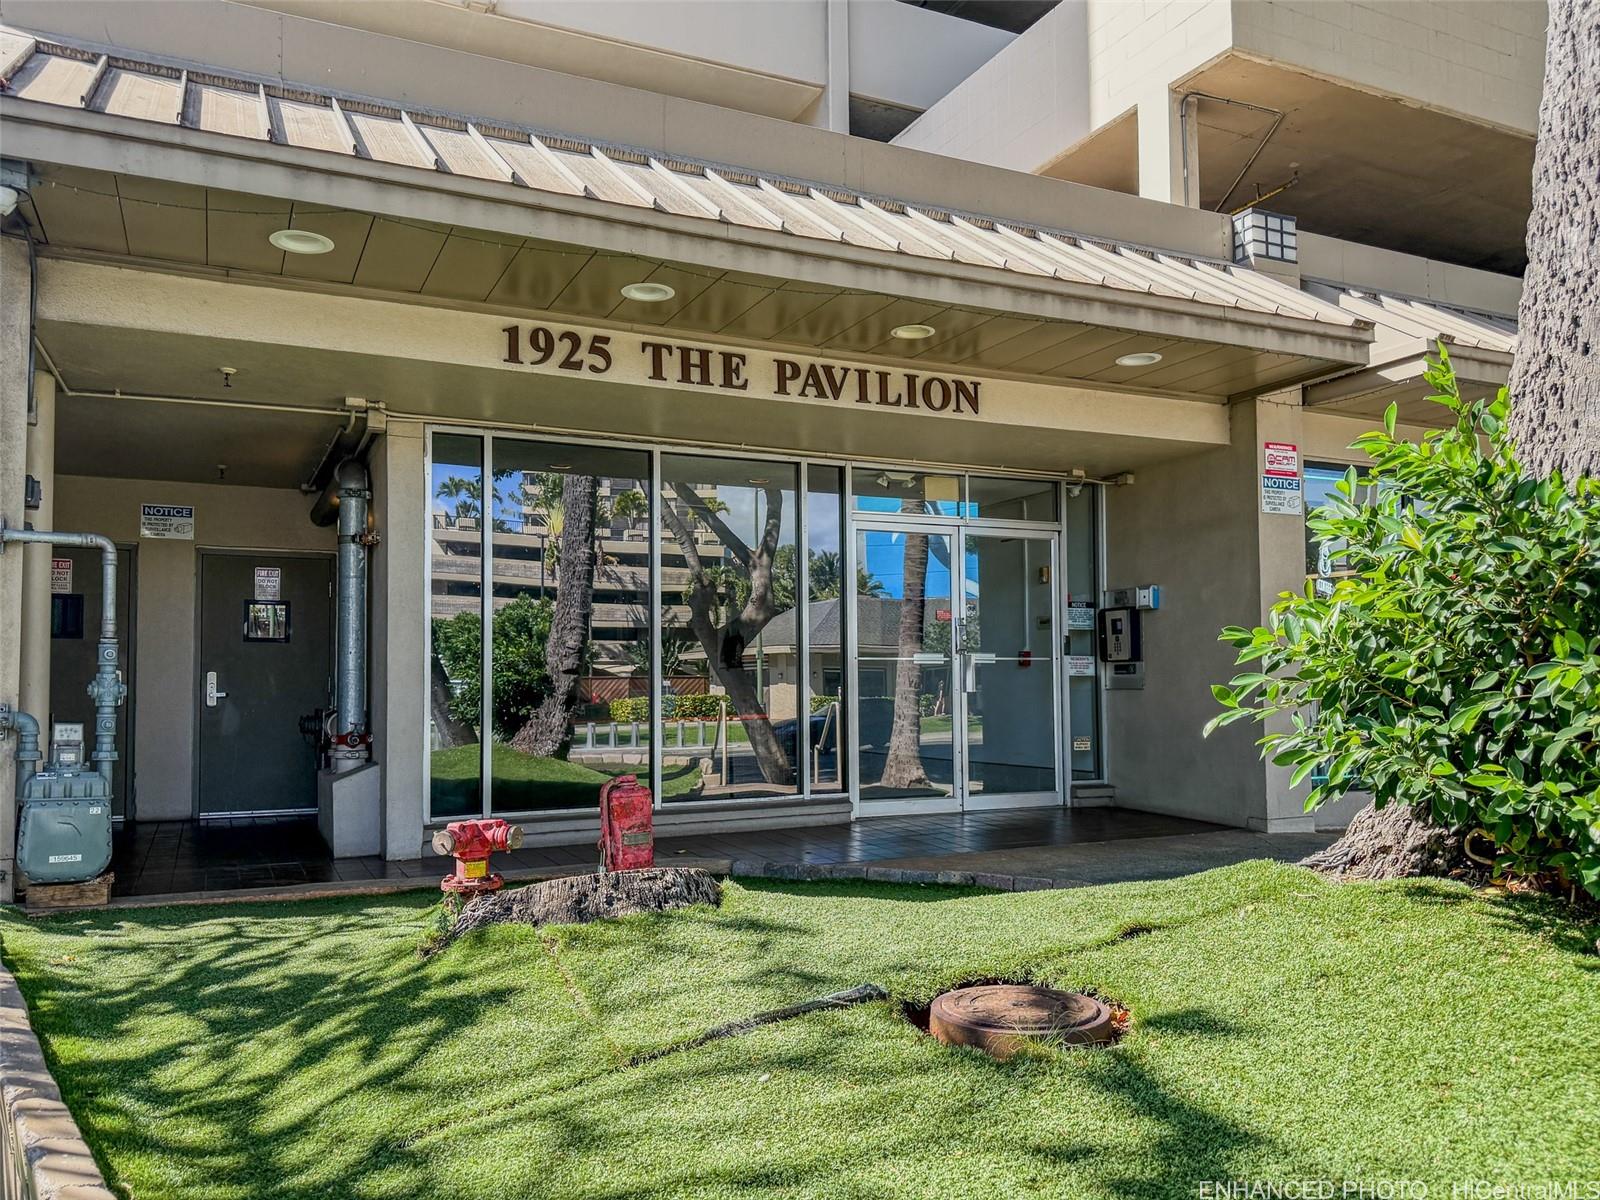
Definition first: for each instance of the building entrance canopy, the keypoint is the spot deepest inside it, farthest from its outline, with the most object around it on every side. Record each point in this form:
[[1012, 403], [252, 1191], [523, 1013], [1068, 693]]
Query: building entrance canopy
[[443, 208]]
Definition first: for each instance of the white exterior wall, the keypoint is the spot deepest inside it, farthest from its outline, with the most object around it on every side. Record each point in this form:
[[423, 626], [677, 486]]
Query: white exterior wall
[[1483, 59], [1090, 62], [796, 60], [1082, 66]]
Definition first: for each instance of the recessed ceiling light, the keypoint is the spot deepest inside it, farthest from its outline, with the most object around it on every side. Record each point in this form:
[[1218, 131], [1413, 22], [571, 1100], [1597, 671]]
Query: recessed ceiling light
[[561, 466], [912, 333], [649, 293], [300, 241], [759, 481], [1147, 359]]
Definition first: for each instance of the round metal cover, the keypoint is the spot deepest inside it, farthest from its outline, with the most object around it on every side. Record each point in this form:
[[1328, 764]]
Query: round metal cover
[[1001, 1018]]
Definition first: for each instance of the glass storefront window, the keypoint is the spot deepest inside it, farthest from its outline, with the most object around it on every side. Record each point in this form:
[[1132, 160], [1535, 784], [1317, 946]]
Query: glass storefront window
[[895, 490], [569, 702], [827, 596], [1083, 601], [455, 621], [728, 557], [547, 649], [1011, 499]]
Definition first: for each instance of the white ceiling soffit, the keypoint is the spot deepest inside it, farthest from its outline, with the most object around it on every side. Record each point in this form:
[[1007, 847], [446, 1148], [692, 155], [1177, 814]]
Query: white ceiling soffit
[[57, 73]]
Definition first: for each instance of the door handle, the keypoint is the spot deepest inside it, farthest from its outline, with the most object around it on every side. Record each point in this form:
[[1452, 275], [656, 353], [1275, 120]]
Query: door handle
[[212, 695]]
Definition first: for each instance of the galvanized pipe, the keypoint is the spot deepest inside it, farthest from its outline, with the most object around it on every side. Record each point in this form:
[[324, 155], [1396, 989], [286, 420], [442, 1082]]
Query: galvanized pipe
[[350, 686], [106, 689], [27, 746]]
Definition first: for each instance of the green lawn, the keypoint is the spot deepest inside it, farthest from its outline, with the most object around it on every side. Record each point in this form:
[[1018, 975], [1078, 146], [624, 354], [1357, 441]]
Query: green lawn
[[531, 783], [1285, 1028]]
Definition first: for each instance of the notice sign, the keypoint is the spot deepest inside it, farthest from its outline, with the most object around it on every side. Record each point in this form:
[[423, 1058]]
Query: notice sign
[[1281, 494], [1280, 458], [1080, 614], [60, 576], [269, 583], [166, 521], [1079, 665]]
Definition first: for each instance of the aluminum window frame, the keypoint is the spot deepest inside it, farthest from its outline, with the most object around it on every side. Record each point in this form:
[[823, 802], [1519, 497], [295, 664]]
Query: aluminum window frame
[[656, 448]]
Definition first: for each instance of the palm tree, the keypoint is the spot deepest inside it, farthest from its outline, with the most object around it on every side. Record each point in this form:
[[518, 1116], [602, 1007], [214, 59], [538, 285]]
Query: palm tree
[[826, 572], [548, 731], [1555, 376], [903, 768]]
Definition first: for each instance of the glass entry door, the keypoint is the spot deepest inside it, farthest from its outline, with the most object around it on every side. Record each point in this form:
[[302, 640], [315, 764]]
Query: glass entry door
[[1009, 668], [907, 596], [957, 668]]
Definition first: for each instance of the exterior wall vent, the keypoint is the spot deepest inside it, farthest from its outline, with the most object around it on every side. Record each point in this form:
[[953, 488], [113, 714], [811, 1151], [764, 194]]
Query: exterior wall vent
[[1258, 234]]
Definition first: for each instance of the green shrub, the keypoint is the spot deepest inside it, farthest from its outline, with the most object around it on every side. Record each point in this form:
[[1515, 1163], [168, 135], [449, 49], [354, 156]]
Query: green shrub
[[703, 707], [677, 708], [634, 708], [823, 703], [1457, 667]]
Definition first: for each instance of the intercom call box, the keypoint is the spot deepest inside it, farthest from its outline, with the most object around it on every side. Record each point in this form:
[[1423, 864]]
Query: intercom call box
[[1119, 636]]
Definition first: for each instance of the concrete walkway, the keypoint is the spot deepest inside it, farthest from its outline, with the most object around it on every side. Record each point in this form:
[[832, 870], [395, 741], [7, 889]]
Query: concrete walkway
[[1083, 863]]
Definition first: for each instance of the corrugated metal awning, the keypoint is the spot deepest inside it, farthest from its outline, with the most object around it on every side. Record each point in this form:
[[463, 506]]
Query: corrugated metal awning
[[1406, 330], [57, 73]]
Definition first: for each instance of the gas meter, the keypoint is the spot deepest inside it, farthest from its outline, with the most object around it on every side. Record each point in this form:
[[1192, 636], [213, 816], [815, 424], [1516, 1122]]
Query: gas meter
[[65, 826]]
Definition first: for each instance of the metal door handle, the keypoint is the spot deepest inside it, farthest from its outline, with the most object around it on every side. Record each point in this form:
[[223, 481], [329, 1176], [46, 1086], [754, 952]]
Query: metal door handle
[[212, 695]]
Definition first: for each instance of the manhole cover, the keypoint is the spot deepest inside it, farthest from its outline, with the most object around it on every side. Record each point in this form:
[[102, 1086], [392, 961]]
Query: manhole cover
[[1001, 1018]]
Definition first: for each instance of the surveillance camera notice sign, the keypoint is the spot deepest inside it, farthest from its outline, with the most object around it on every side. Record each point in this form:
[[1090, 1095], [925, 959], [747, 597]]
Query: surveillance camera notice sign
[[1280, 479], [166, 521], [1281, 494]]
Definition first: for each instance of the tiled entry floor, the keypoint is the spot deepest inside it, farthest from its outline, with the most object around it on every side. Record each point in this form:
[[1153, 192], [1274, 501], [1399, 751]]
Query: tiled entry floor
[[160, 857]]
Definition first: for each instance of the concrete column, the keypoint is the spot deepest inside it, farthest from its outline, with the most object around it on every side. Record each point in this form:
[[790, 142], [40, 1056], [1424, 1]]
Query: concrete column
[[15, 285], [399, 643], [832, 109], [1161, 138], [35, 684], [1281, 553]]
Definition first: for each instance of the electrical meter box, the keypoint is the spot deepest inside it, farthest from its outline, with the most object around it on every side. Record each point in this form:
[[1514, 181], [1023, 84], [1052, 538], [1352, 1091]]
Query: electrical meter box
[[64, 831]]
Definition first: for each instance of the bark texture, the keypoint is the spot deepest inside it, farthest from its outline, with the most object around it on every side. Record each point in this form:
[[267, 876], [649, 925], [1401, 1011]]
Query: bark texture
[[1555, 377], [1393, 842], [549, 731], [578, 899], [452, 730], [903, 767], [724, 642]]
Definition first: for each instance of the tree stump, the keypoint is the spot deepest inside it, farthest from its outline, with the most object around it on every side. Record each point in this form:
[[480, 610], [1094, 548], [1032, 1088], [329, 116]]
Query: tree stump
[[578, 899], [1393, 842]]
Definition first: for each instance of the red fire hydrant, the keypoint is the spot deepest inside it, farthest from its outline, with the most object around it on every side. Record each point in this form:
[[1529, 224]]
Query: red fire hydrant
[[471, 842], [627, 837]]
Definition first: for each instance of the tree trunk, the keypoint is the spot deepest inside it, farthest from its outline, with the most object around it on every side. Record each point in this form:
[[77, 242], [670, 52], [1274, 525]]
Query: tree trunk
[[903, 767], [743, 628], [452, 730], [1392, 842], [1555, 377], [549, 731]]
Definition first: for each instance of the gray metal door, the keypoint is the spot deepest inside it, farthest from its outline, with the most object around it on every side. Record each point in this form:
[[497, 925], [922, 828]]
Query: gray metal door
[[74, 637], [265, 660]]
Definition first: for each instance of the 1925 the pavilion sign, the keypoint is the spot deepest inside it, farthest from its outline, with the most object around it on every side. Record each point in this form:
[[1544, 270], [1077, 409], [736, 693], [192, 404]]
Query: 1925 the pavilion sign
[[756, 372]]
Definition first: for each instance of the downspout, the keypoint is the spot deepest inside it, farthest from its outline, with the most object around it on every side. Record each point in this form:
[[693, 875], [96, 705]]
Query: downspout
[[352, 495], [106, 689]]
